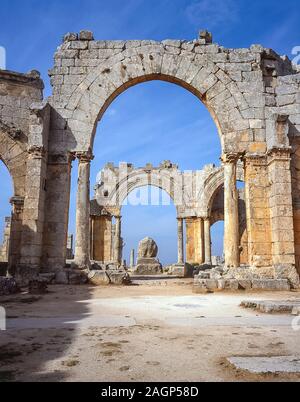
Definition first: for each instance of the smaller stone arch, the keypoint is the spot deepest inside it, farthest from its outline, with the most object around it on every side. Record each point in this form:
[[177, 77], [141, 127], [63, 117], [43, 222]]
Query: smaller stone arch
[[116, 183], [13, 153], [213, 184]]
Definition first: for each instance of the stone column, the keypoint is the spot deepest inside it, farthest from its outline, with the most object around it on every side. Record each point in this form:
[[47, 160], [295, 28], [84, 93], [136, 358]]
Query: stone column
[[207, 241], [132, 263], [199, 240], [117, 243], [231, 215], [190, 240], [82, 245], [180, 241], [15, 234]]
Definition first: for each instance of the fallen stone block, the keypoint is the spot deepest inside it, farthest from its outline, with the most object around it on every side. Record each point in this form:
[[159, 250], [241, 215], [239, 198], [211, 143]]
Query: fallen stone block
[[272, 306], [78, 278], [228, 284], [8, 286], [118, 277], [204, 275], [296, 311], [98, 278], [267, 365], [271, 284], [205, 285], [245, 284], [182, 270]]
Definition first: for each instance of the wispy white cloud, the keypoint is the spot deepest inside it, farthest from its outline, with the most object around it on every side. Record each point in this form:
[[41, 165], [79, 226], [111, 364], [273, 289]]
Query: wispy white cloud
[[211, 13]]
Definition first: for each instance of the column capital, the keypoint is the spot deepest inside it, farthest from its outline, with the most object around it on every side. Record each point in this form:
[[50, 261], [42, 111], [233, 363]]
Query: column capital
[[84, 156], [36, 151], [253, 157], [17, 203], [231, 157], [279, 153], [17, 200]]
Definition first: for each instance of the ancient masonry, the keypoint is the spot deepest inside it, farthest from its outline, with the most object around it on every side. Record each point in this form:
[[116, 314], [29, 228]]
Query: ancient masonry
[[253, 96], [197, 195]]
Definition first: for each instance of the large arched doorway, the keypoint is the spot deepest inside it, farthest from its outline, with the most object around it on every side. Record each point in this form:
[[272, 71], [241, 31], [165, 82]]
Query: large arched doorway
[[144, 126], [198, 66]]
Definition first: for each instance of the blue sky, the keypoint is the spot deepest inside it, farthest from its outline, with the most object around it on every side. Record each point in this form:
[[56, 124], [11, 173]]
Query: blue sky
[[152, 121]]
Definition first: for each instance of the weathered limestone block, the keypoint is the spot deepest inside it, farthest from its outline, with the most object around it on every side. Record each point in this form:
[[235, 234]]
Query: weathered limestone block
[[270, 284], [99, 278], [147, 264], [8, 286], [118, 277], [228, 284], [181, 270], [205, 285], [147, 248]]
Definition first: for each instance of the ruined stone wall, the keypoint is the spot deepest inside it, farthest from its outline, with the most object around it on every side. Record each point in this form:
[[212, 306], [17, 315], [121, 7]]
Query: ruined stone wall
[[252, 95], [18, 139], [101, 238]]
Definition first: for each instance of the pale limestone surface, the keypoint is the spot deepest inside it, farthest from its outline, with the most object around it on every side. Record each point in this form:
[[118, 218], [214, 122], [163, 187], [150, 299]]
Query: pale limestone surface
[[252, 95]]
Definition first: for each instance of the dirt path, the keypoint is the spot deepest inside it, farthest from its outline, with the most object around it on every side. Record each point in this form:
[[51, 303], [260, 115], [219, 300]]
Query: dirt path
[[142, 333]]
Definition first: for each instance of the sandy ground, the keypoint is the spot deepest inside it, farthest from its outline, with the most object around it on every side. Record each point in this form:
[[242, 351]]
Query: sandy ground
[[139, 333]]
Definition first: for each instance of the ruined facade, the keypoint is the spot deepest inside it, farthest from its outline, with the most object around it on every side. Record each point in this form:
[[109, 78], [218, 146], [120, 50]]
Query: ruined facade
[[253, 96], [198, 197]]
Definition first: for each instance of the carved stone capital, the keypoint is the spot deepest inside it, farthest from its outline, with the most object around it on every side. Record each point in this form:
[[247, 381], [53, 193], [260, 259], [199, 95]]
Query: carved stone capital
[[254, 159], [17, 204], [279, 153], [85, 156], [230, 158], [37, 152]]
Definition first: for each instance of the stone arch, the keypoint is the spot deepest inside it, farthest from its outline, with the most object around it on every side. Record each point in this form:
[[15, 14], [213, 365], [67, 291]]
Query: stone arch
[[14, 156], [215, 202], [214, 183], [94, 92], [141, 179]]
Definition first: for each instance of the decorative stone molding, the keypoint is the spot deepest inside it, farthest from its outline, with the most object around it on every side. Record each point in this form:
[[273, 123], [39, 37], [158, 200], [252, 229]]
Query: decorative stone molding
[[84, 157], [61, 159], [13, 132], [279, 153], [231, 157], [37, 152], [17, 204]]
